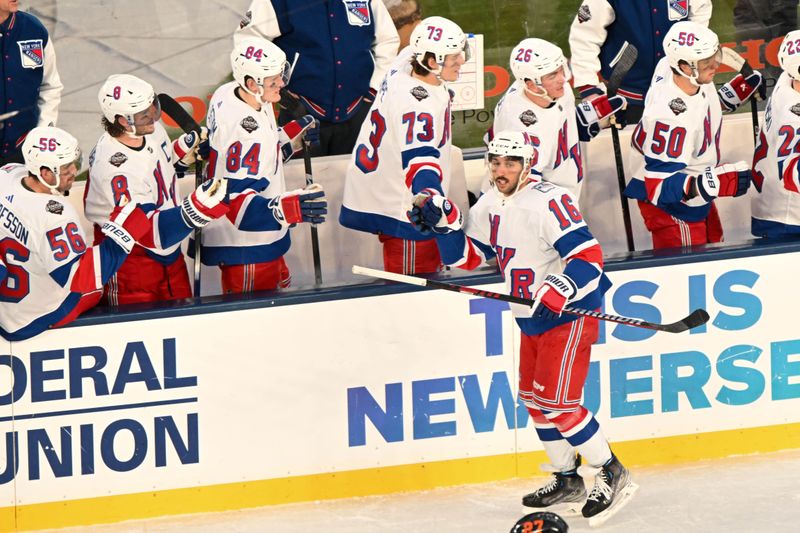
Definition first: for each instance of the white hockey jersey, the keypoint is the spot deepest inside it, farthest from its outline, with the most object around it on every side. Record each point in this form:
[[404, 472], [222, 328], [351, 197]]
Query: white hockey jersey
[[45, 263], [245, 148], [553, 133], [677, 138], [775, 205], [404, 146], [536, 232], [144, 175]]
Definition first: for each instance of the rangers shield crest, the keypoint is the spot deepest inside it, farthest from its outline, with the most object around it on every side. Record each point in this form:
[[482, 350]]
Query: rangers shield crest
[[678, 9], [31, 53], [358, 13]]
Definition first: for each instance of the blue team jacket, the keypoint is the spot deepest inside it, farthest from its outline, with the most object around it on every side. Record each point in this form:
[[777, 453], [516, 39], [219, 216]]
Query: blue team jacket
[[336, 63], [643, 23], [22, 42]]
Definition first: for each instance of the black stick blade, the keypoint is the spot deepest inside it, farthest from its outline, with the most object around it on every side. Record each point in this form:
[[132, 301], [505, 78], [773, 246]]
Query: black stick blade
[[623, 63], [176, 112], [698, 317]]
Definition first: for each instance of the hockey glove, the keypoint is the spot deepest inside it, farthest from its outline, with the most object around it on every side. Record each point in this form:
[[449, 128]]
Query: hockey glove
[[592, 112], [731, 179], [554, 294], [739, 89], [293, 133], [127, 224], [206, 203], [188, 148], [433, 212], [587, 91], [301, 205]]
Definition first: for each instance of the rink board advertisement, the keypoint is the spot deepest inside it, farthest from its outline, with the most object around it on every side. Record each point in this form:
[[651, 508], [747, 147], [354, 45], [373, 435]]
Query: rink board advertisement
[[347, 397]]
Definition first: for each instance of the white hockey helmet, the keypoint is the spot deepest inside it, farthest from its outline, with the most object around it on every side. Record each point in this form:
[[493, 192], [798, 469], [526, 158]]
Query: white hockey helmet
[[439, 36], [259, 59], [689, 42], [534, 58], [789, 55], [52, 148], [129, 97], [511, 144]]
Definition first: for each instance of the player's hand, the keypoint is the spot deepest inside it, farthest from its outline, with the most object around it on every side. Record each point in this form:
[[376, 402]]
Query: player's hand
[[553, 295], [206, 203], [592, 112], [301, 205], [433, 212], [127, 225], [731, 179], [739, 89], [293, 133], [190, 147]]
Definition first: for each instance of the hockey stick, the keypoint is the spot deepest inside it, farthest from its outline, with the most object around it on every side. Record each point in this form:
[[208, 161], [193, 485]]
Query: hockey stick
[[184, 120], [698, 317], [621, 64], [314, 235], [739, 64]]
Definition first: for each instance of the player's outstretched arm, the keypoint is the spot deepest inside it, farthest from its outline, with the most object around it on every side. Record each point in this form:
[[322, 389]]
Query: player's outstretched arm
[[293, 207]]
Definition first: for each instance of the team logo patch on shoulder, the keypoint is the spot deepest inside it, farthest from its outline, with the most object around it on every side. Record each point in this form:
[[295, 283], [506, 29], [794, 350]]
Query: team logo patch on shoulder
[[31, 53], [420, 93], [528, 118], [118, 159], [795, 109], [54, 207], [357, 12], [584, 14], [677, 106], [678, 9], [249, 124], [246, 20]]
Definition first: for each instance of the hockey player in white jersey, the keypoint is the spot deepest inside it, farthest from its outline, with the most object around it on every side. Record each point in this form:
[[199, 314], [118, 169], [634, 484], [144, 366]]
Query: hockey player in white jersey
[[541, 104], [136, 161], [404, 146], [249, 149], [676, 158], [546, 253], [48, 275], [775, 206]]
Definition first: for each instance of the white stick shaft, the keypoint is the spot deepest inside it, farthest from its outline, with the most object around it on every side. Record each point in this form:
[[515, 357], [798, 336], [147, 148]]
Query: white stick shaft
[[391, 276]]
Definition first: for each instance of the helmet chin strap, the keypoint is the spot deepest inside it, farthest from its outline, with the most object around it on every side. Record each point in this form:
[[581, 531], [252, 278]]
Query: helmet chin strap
[[542, 94], [133, 134], [53, 188]]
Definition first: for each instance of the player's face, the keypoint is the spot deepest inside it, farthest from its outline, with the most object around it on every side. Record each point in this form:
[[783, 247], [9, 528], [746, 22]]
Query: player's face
[[506, 172], [707, 68], [67, 176], [272, 88], [553, 83], [145, 121], [451, 69]]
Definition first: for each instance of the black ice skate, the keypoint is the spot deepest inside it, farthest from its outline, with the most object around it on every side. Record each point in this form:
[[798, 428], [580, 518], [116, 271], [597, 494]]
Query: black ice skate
[[564, 490], [612, 490]]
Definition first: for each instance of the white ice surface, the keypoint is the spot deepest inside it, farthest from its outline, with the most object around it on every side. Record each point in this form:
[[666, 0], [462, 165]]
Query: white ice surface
[[748, 493]]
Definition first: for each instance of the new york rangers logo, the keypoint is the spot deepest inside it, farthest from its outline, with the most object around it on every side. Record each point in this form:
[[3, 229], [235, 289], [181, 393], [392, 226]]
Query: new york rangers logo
[[678, 9], [357, 12], [31, 53]]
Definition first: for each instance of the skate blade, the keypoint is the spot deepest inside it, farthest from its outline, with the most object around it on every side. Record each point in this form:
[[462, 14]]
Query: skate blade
[[622, 499], [567, 509]]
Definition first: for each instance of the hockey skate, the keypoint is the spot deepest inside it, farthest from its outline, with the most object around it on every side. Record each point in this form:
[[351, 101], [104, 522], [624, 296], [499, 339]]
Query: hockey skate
[[613, 489], [564, 493]]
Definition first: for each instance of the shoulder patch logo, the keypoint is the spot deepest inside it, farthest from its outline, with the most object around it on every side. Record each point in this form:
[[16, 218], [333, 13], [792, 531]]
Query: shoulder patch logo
[[795, 109], [420, 93], [31, 53], [249, 124], [528, 118], [54, 207], [584, 14], [357, 12], [678, 9], [677, 106], [118, 159]]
